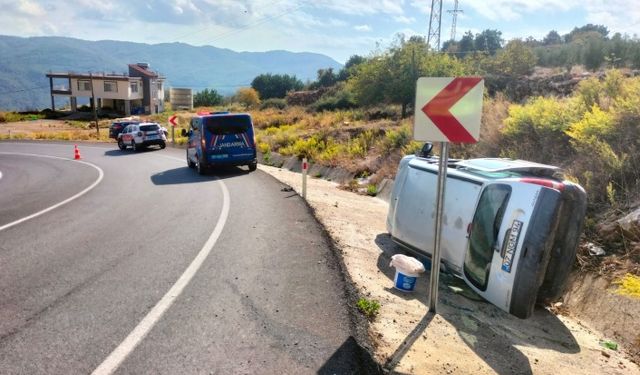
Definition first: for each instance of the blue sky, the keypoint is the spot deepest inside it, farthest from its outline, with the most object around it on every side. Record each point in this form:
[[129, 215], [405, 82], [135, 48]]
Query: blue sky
[[336, 28]]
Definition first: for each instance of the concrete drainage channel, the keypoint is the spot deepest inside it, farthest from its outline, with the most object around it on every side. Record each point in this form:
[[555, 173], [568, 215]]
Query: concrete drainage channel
[[334, 174]]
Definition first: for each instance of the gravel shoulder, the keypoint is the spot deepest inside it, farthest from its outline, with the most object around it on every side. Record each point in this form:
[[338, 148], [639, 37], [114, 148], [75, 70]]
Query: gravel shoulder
[[467, 335]]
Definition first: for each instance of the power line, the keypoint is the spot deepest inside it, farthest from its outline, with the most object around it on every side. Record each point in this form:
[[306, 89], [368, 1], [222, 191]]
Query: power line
[[257, 23], [209, 26]]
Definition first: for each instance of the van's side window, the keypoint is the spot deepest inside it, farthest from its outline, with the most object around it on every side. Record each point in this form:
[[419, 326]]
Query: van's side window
[[484, 233]]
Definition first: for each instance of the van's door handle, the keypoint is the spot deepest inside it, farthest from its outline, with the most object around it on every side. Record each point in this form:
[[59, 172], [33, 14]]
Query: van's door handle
[[503, 252]]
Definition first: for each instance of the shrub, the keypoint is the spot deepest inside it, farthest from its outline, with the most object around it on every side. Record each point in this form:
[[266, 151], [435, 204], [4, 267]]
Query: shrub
[[372, 190], [395, 139], [370, 308], [277, 103], [535, 131], [340, 100]]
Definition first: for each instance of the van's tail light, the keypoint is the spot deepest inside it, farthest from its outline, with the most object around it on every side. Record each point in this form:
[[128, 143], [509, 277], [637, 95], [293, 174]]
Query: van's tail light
[[541, 181], [203, 142]]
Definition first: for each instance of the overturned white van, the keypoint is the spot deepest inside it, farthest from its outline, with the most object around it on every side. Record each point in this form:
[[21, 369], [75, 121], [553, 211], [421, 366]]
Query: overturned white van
[[510, 227]]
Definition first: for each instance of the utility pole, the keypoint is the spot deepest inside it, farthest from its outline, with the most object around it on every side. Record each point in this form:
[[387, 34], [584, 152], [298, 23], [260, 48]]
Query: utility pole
[[455, 12], [93, 106], [434, 25]]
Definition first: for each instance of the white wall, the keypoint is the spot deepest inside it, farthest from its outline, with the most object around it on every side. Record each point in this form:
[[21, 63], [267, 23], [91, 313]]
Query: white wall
[[124, 89]]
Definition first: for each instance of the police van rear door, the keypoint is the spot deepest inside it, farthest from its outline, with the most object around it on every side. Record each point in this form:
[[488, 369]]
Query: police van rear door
[[228, 135]]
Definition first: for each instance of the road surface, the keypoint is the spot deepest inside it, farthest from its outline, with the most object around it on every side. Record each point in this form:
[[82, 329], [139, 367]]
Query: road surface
[[143, 266]]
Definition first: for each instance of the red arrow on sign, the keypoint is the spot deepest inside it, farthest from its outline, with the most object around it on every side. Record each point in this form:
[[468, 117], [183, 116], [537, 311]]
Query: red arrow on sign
[[438, 109], [172, 120]]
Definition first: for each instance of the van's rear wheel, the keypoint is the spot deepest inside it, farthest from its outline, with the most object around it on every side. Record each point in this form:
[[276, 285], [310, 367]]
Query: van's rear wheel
[[190, 164], [253, 166], [200, 167]]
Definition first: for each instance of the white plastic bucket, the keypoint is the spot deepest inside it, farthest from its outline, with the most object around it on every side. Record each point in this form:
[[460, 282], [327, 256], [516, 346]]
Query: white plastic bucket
[[407, 272], [404, 282]]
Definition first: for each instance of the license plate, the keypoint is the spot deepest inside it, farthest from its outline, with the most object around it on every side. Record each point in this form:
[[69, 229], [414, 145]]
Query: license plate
[[512, 243], [219, 156], [152, 137]]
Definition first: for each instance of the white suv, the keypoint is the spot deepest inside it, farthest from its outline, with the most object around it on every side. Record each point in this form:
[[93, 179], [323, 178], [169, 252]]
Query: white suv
[[510, 227], [139, 136]]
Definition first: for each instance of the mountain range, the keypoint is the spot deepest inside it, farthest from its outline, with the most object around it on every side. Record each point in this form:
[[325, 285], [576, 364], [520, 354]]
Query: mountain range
[[25, 61]]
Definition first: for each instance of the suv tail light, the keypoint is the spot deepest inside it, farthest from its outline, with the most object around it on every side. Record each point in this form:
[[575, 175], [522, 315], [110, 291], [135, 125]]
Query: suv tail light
[[547, 183]]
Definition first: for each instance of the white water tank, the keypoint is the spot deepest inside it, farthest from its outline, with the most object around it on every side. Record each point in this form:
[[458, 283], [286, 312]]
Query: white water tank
[[181, 98]]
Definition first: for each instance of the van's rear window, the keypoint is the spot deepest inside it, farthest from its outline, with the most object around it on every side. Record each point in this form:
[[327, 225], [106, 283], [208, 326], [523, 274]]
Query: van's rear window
[[221, 125], [146, 128]]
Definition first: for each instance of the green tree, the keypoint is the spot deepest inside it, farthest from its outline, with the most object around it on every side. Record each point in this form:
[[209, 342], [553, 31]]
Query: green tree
[[552, 38], [489, 41], [350, 67], [516, 59], [593, 53], [391, 76], [275, 85], [588, 28], [326, 78], [207, 98]]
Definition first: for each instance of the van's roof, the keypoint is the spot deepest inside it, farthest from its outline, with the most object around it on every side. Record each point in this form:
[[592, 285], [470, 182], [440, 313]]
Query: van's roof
[[222, 114]]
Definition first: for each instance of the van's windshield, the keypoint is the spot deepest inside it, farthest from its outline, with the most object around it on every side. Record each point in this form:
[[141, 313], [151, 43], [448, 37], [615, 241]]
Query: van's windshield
[[222, 125], [484, 231]]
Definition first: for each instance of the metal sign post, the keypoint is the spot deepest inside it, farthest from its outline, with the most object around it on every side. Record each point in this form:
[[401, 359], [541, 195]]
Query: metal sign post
[[448, 109], [173, 135], [435, 257]]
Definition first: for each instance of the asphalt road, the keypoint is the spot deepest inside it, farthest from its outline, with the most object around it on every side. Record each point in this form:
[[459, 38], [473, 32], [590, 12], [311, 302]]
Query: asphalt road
[[150, 268]]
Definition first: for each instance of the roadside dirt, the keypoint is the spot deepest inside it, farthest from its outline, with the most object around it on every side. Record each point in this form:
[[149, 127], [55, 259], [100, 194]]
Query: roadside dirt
[[468, 335], [35, 126]]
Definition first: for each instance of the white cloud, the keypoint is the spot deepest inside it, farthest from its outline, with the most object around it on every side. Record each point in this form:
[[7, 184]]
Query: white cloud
[[364, 28], [404, 20], [362, 7]]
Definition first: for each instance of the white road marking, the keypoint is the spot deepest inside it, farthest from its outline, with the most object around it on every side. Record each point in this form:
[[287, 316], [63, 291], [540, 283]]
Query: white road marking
[[119, 354], [0, 175], [94, 184]]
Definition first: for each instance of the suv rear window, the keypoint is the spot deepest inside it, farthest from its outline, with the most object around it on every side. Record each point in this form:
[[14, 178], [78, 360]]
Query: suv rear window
[[146, 128], [484, 232], [222, 125]]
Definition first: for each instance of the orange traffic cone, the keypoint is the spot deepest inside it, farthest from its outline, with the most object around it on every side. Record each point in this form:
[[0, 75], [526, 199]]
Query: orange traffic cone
[[76, 153]]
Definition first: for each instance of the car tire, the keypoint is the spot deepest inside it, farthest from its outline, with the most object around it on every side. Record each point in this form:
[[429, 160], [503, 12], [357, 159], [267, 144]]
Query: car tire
[[253, 166], [121, 145], [200, 167], [190, 164], [163, 145], [134, 147]]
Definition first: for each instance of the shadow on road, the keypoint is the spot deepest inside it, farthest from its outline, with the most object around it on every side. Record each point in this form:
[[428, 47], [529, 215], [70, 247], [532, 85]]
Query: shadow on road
[[490, 332], [349, 354], [127, 152], [185, 175]]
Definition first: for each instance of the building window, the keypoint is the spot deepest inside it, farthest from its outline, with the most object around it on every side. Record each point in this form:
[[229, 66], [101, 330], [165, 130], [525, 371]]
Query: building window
[[134, 87], [110, 86], [84, 85], [159, 86]]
